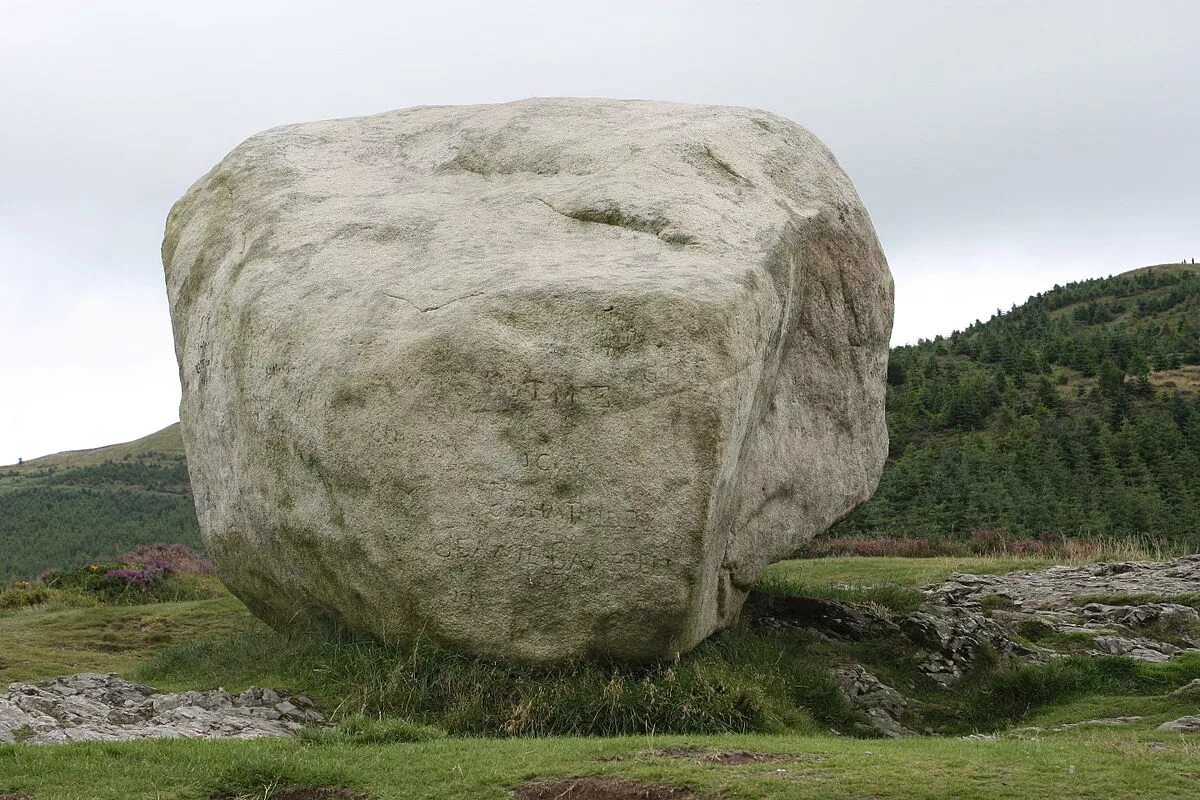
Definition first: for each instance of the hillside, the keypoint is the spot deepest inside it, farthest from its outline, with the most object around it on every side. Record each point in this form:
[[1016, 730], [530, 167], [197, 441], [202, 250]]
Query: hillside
[[167, 444], [68, 508], [1073, 414]]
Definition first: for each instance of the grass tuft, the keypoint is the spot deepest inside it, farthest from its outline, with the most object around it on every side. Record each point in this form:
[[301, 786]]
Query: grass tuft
[[361, 730], [1014, 693], [740, 681], [264, 777]]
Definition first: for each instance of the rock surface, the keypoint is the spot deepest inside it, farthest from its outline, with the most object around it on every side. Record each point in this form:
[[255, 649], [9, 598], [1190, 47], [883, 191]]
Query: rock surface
[[880, 704], [90, 707], [1189, 724], [1138, 622], [970, 620], [543, 380], [1063, 587], [948, 642]]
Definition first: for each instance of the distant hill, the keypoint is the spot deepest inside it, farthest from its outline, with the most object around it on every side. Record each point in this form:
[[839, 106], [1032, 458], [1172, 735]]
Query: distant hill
[[164, 444], [1075, 413], [68, 508]]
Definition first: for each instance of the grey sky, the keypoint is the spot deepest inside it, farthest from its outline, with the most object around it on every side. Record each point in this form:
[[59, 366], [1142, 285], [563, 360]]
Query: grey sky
[[1000, 147]]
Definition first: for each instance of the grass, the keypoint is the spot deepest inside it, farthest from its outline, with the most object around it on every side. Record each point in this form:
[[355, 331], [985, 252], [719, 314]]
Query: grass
[[415, 721], [739, 681], [1095, 763], [1018, 693], [886, 596], [1155, 709], [852, 571], [168, 441], [1039, 633], [1126, 599], [361, 729], [43, 643]]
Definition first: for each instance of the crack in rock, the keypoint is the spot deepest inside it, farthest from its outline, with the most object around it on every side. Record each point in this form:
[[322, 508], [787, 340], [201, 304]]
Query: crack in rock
[[427, 309], [652, 225]]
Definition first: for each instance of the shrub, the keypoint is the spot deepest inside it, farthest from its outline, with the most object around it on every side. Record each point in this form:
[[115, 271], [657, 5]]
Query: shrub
[[145, 577], [22, 594], [181, 558], [120, 582], [90, 579], [156, 573]]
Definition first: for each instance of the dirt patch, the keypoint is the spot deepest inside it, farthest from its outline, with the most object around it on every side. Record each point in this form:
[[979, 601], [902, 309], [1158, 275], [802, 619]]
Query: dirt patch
[[597, 789], [735, 758], [319, 793], [731, 758], [680, 752], [295, 793]]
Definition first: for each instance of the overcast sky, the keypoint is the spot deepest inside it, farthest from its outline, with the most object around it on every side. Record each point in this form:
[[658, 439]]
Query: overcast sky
[[1000, 147]]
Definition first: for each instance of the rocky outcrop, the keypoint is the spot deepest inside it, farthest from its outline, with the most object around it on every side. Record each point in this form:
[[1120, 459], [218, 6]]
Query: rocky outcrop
[[1137, 621], [1058, 588], [544, 380], [971, 621], [880, 704], [948, 642], [953, 641], [90, 707]]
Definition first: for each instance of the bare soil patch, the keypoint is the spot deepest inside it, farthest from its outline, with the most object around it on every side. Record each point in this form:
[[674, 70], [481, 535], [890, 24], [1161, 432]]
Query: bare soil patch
[[734, 758], [320, 793], [731, 758], [298, 793], [680, 752], [598, 789]]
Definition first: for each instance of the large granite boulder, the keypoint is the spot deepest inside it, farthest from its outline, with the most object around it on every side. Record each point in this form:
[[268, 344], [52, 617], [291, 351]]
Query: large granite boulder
[[542, 380]]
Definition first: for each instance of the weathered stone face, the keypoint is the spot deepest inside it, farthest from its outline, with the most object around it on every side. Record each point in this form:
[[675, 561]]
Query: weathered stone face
[[542, 380]]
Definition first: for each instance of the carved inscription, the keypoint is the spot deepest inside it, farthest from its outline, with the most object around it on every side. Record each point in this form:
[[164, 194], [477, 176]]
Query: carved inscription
[[576, 513], [554, 557], [499, 393], [616, 342]]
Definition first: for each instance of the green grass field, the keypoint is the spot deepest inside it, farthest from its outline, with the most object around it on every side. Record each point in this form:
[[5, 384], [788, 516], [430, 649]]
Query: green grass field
[[1099, 764], [205, 643]]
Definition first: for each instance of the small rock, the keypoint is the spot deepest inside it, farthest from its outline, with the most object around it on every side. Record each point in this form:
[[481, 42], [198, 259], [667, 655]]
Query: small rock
[[1190, 691], [1190, 724]]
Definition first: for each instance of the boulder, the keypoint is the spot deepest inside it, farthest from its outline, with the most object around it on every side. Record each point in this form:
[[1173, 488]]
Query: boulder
[[543, 380]]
